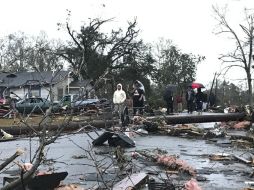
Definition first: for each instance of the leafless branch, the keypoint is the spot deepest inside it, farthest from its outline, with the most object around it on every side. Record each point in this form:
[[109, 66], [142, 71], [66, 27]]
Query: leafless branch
[[10, 159], [223, 22], [71, 33]]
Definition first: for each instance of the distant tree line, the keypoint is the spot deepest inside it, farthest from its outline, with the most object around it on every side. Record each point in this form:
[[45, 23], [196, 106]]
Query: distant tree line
[[227, 94]]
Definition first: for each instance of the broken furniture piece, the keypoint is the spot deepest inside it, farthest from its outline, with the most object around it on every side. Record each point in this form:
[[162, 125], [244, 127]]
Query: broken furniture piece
[[40, 182], [114, 139]]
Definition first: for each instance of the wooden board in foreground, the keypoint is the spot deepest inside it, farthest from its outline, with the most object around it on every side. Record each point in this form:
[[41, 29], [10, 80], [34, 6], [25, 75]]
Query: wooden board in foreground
[[133, 181]]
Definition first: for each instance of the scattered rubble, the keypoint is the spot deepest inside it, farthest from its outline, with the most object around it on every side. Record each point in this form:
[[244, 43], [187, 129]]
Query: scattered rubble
[[69, 187], [220, 157], [242, 125], [6, 135], [123, 137], [192, 185]]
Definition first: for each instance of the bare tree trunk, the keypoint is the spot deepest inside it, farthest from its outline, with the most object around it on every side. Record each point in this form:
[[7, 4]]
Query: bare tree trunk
[[242, 55], [216, 92], [250, 88]]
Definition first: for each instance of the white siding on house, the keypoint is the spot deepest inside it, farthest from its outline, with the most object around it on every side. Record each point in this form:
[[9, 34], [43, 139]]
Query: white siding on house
[[44, 91], [61, 85], [23, 92], [19, 92]]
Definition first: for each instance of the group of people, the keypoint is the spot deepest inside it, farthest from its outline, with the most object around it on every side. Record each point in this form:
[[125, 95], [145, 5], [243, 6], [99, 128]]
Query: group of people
[[138, 98], [195, 101]]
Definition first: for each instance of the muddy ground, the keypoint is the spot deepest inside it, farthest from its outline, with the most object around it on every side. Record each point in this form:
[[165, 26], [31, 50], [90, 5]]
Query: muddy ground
[[62, 156]]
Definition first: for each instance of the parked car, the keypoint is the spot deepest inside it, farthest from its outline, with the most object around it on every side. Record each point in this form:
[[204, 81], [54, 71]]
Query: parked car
[[74, 100], [36, 104], [77, 103]]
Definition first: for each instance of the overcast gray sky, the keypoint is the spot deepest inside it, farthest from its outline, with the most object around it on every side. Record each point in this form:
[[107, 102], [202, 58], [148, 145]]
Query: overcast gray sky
[[188, 23]]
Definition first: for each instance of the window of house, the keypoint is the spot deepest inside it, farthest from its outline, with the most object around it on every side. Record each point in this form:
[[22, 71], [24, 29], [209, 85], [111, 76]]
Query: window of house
[[35, 91]]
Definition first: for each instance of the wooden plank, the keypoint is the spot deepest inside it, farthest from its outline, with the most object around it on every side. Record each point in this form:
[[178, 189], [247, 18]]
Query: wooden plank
[[252, 158], [242, 159], [134, 181]]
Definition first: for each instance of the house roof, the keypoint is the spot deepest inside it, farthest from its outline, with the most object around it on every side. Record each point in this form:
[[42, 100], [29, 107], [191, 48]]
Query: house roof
[[83, 83], [31, 78]]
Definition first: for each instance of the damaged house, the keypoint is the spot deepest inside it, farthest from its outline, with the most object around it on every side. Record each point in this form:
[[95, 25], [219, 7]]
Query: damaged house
[[37, 84]]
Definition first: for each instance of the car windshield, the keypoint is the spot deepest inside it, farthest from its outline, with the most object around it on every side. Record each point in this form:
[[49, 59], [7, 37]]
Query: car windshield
[[75, 97], [31, 100], [66, 98], [38, 100]]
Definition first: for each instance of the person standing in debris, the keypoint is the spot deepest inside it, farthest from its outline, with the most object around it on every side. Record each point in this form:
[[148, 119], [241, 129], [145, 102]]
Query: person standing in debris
[[119, 98], [212, 100], [137, 98], [190, 97], [199, 100], [204, 106], [168, 97]]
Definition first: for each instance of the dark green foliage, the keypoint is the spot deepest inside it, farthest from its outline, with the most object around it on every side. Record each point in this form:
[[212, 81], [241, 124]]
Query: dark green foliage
[[175, 67], [109, 58]]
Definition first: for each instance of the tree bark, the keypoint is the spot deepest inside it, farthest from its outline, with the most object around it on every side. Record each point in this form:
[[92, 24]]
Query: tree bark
[[250, 88], [182, 119]]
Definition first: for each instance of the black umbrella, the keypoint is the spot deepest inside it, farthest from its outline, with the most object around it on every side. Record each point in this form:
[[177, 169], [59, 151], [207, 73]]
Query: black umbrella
[[139, 85], [170, 88]]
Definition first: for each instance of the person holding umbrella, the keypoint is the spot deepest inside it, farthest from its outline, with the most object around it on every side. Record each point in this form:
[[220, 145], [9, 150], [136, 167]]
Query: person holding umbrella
[[199, 100], [190, 98], [138, 97]]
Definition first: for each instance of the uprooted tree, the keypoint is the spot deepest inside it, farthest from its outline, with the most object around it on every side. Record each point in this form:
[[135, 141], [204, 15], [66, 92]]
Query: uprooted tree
[[242, 56], [91, 52], [94, 54]]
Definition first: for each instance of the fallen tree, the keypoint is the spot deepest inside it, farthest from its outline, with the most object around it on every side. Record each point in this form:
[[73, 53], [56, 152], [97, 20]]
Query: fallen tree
[[183, 119]]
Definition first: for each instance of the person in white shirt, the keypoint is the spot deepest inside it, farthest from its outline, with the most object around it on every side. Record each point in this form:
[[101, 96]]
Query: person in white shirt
[[119, 98]]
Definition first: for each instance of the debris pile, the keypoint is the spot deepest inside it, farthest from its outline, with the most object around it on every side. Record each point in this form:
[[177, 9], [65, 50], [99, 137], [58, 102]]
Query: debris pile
[[214, 133], [6, 135], [69, 187], [175, 164], [171, 162], [184, 130], [192, 185]]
